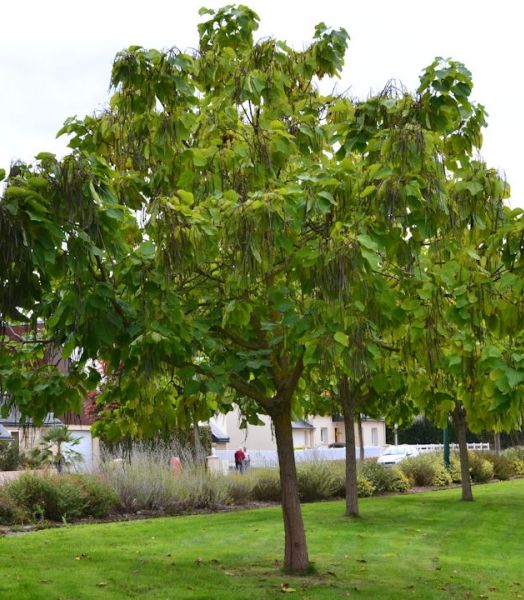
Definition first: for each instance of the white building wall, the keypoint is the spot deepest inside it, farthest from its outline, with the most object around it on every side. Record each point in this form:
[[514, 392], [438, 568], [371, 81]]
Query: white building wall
[[260, 437], [256, 437]]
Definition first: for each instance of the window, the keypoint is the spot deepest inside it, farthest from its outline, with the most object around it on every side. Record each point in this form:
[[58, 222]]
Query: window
[[323, 435], [374, 436]]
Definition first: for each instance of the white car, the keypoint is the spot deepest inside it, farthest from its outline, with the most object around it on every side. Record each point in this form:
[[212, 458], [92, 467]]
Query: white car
[[392, 455]]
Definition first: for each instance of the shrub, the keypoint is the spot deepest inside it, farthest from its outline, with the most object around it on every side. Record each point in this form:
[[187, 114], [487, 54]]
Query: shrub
[[454, 469], [481, 470], [515, 457], [365, 487], [97, 497], [502, 467], [398, 482], [36, 495], [9, 456], [10, 513], [56, 497], [42, 497], [425, 470], [384, 479]]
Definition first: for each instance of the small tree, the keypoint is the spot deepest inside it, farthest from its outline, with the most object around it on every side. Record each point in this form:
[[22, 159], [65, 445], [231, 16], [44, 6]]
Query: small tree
[[56, 448]]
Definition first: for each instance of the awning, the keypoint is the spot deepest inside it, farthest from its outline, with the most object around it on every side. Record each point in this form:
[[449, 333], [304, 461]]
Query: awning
[[4, 434], [217, 435], [301, 424]]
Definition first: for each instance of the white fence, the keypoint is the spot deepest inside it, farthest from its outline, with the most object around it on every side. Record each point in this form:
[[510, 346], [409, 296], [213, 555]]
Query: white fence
[[440, 447], [269, 458]]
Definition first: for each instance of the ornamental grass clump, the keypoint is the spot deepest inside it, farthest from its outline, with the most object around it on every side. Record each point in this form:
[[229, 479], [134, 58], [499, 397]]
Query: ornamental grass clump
[[144, 480], [319, 480]]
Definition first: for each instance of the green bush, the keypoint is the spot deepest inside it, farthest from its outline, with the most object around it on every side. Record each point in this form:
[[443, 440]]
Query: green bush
[[480, 469], [384, 479], [365, 487], [61, 497], [398, 482], [454, 469], [502, 467], [97, 497], [426, 470], [38, 496], [515, 457], [10, 513], [9, 456]]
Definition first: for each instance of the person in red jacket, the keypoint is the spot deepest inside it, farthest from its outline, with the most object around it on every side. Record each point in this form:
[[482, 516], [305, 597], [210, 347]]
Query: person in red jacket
[[239, 460]]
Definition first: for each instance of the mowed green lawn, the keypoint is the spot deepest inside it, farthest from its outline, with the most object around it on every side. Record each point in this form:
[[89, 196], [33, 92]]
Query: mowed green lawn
[[421, 546]]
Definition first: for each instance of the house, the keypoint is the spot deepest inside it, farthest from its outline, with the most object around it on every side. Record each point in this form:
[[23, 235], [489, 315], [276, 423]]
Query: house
[[28, 435], [314, 432]]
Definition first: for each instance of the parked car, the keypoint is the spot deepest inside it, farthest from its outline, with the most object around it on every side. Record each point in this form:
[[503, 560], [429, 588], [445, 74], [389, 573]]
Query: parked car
[[392, 455]]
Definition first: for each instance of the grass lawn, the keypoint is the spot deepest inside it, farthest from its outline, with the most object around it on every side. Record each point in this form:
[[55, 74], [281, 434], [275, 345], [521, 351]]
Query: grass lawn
[[421, 546]]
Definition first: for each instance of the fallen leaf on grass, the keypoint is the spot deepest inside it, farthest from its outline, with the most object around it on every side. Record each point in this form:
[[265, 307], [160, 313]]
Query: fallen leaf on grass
[[102, 584], [285, 588]]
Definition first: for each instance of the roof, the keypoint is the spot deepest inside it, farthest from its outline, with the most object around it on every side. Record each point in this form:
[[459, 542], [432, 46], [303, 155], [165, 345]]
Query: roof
[[217, 435], [301, 424], [5, 435], [14, 419]]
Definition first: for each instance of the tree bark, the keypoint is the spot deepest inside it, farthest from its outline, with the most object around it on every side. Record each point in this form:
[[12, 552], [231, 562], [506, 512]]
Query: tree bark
[[362, 451], [348, 408], [295, 555], [496, 442], [459, 418]]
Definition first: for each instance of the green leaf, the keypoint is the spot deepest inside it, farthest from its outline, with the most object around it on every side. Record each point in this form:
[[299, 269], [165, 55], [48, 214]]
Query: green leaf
[[367, 242], [341, 338]]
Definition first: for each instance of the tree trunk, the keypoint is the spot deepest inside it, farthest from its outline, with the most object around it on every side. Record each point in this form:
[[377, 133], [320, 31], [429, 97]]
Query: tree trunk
[[496, 442], [362, 452], [348, 408], [459, 418], [295, 556]]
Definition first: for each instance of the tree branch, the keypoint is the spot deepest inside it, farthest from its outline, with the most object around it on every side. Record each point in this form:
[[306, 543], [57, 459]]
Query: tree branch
[[246, 389]]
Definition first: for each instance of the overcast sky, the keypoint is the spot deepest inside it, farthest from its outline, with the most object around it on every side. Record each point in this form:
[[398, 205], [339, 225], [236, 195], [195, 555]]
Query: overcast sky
[[56, 57]]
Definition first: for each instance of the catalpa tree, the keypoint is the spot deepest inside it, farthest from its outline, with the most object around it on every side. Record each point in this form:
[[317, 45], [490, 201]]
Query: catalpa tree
[[213, 217]]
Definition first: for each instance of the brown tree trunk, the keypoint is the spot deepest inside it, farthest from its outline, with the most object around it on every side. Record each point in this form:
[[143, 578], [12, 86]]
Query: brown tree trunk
[[459, 418], [348, 408], [295, 555], [360, 437], [496, 442]]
